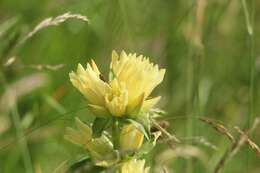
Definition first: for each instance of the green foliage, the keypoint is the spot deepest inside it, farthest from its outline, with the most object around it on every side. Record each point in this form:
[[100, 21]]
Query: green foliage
[[212, 67], [99, 125]]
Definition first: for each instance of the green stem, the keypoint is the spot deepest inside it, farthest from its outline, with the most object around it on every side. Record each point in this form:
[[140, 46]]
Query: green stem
[[19, 131], [249, 18], [189, 127], [23, 142], [115, 133]]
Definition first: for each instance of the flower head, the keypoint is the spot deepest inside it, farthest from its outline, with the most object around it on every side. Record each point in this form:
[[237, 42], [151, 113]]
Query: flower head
[[140, 77], [127, 93], [133, 166]]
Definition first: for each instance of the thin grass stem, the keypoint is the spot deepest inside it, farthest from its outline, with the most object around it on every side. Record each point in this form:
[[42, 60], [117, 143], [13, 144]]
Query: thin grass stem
[[23, 143], [249, 20]]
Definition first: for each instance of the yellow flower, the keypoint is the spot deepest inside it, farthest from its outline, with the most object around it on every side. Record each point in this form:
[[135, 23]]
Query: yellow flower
[[130, 138], [88, 82], [127, 93], [100, 149], [133, 166], [140, 77]]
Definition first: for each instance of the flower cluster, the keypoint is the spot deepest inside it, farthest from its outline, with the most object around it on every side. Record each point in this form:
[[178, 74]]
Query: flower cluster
[[134, 78], [122, 103]]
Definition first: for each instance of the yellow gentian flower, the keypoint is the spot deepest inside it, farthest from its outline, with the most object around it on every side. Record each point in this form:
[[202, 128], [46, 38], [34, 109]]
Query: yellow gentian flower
[[133, 166], [100, 149], [130, 139], [127, 93], [140, 77]]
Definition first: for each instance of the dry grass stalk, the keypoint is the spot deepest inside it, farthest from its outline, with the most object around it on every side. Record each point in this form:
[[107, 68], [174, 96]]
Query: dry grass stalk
[[251, 144], [201, 140], [54, 21], [20, 88], [9, 61], [45, 67], [219, 127], [200, 14], [7, 25], [182, 151], [234, 148], [170, 136], [205, 142]]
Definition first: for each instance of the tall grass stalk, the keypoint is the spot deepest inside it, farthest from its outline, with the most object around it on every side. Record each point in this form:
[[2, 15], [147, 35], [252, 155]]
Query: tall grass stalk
[[126, 21], [249, 18], [189, 105], [19, 131], [23, 143], [195, 56]]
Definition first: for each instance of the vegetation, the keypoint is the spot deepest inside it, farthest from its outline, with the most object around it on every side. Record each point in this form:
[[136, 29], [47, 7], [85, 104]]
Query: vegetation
[[208, 116]]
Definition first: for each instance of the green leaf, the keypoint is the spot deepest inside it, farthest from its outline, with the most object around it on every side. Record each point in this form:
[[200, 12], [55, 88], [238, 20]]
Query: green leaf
[[99, 125], [148, 146], [140, 127], [85, 165], [145, 149], [79, 163]]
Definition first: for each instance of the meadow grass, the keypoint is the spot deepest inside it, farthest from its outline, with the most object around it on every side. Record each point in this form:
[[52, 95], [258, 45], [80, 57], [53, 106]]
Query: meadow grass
[[209, 49]]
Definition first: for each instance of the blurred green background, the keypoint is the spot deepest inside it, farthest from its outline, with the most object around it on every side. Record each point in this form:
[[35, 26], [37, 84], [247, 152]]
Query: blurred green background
[[209, 49]]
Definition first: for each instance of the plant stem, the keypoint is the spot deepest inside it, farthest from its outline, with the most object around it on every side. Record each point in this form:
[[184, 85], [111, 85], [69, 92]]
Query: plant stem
[[115, 133], [19, 131], [23, 142], [249, 19]]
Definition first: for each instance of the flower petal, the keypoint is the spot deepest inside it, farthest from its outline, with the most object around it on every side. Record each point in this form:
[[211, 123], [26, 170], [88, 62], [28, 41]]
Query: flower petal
[[88, 82], [134, 108], [94, 67], [98, 110], [117, 98], [81, 135], [148, 104]]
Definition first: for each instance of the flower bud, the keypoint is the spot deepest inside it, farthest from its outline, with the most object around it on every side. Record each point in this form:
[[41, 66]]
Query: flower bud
[[133, 166], [101, 149], [102, 152], [131, 138]]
